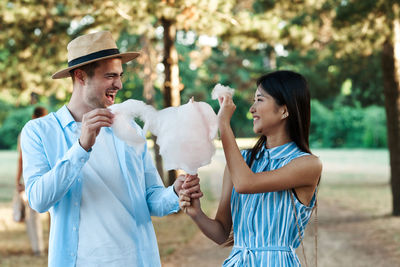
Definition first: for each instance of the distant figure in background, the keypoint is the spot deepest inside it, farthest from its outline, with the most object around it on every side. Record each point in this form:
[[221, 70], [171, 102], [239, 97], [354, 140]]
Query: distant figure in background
[[32, 218]]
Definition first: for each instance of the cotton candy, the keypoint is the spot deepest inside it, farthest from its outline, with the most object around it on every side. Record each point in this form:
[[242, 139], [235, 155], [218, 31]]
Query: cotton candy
[[185, 134], [220, 90]]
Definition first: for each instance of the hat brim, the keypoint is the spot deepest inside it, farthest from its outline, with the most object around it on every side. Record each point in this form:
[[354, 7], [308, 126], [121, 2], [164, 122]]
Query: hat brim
[[125, 57]]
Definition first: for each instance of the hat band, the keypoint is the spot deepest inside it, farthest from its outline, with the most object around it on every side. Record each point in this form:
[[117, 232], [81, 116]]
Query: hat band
[[92, 56]]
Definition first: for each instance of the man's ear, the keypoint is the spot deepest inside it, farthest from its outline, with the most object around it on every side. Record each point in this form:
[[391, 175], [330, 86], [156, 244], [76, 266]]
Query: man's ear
[[80, 76]]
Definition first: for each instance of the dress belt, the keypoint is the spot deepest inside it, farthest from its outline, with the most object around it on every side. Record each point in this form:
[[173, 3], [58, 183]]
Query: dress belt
[[269, 248], [247, 256]]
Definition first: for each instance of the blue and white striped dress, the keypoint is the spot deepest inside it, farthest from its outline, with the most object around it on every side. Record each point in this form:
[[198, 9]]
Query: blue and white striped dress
[[264, 224]]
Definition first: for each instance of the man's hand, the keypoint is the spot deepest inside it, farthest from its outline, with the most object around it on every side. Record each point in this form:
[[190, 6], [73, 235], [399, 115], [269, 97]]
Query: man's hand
[[91, 125], [190, 184]]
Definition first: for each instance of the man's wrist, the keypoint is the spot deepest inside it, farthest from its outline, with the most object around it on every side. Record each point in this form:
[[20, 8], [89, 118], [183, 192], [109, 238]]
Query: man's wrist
[[87, 150], [173, 188]]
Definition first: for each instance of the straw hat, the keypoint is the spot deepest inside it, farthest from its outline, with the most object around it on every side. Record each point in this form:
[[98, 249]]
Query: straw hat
[[92, 47]]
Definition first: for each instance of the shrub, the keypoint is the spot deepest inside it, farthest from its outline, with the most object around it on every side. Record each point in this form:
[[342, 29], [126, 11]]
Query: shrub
[[12, 126], [347, 126]]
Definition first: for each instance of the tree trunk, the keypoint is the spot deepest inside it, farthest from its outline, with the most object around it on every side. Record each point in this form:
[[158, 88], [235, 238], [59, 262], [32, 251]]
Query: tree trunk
[[171, 71], [271, 64], [391, 79], [148, 93]]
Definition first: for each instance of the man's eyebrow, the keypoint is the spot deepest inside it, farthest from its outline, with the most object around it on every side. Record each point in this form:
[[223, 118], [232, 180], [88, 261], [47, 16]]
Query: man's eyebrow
[[113, 73]]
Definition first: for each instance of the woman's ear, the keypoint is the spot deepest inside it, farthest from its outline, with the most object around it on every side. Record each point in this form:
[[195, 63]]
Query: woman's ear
[[285, 112]]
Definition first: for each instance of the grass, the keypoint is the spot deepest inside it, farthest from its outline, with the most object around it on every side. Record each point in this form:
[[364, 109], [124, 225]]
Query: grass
[[354, 179], [8, 169], [359, 181]]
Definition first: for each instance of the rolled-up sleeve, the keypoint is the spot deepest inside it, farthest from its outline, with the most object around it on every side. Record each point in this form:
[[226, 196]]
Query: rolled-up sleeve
[[160, 200], [46, 184]]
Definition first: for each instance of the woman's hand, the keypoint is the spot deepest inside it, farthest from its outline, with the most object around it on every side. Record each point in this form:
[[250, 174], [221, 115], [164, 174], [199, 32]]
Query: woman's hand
[[226, 110], [191, 206]]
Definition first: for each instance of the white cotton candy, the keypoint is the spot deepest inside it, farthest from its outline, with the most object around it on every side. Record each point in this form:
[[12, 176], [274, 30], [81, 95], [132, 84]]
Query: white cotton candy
[[185, 134], [220, 90]]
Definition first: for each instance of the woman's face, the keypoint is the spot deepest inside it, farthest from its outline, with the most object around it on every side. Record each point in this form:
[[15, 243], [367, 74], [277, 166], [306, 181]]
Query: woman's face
[[268, 117]]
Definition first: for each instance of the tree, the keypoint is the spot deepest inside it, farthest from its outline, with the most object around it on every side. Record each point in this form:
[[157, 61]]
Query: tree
[[349, 29], [376, 25], [38, 22]]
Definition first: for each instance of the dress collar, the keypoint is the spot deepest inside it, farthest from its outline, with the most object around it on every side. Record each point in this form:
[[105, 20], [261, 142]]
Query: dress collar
[[280, 152]]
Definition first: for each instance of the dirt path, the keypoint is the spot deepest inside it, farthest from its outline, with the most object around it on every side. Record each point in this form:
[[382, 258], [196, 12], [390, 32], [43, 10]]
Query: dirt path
[[346, 238]]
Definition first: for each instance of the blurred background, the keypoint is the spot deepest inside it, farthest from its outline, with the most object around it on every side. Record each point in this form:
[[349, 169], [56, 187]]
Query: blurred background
[[348, 50]]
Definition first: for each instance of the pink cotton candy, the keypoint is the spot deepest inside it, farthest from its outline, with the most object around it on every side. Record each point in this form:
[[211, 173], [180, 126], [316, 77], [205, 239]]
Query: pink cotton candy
[[220, 90], [185, 134]]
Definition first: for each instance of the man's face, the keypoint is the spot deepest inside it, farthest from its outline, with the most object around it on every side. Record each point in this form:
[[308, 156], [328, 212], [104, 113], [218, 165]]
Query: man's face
[[100, 89]]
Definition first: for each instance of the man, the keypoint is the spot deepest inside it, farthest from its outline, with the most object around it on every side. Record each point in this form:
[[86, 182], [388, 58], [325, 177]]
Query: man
[[32, 219], [100, 191]]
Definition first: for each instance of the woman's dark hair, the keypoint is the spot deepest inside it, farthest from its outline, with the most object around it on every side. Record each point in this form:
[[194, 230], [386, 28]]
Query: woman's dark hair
[[291, 89]]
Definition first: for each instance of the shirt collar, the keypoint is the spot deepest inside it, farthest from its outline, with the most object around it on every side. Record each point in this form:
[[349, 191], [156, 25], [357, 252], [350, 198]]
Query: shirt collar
[[64, 116], [280, 152]]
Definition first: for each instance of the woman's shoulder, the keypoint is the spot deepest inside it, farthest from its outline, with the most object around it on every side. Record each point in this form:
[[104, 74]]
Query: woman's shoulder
[[309, 162]]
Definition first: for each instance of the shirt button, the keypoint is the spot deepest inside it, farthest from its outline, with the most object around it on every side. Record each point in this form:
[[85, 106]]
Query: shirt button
[[79, 180], [72, 254], [76, 203], [82, 160], [74, 228]]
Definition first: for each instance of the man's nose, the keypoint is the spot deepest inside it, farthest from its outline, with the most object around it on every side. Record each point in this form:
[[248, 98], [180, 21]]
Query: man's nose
[[118, 83]]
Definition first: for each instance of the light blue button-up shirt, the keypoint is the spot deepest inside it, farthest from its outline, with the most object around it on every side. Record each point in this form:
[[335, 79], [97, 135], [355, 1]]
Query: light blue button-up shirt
[[52, 163]]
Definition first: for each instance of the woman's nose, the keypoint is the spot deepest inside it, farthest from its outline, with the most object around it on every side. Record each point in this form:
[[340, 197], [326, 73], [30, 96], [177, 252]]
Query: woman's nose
[[252, 109]]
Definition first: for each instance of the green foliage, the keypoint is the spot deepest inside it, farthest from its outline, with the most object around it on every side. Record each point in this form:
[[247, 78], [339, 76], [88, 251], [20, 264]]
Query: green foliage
[[12, 126], [347, 126], [329, 42], [4, 110], [326, 76], [375, 134]]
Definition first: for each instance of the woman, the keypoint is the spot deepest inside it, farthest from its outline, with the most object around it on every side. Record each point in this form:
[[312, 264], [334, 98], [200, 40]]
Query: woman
[[269, 191]]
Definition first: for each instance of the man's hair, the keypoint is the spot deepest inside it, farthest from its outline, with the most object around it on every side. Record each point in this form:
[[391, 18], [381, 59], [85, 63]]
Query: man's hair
[[88, 69]]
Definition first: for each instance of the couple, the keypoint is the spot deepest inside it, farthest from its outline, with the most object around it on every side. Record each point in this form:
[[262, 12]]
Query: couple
[[101, 192]]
